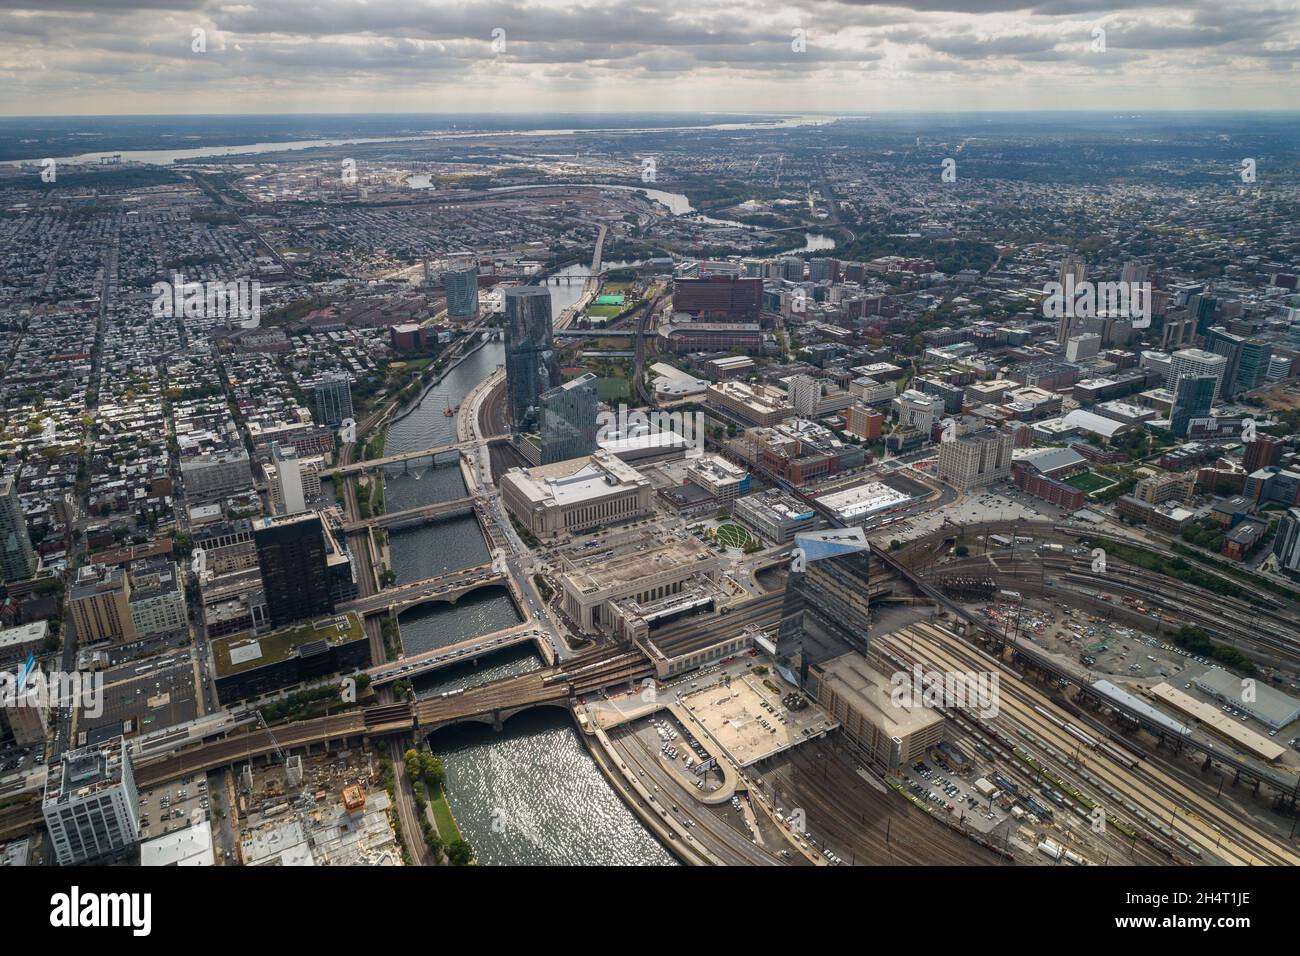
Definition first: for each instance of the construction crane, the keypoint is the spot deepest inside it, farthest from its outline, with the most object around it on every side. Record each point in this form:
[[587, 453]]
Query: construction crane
[[261, 722]]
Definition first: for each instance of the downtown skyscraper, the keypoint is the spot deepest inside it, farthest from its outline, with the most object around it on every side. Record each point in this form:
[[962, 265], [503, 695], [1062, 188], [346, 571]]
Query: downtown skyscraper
[[532, 364]]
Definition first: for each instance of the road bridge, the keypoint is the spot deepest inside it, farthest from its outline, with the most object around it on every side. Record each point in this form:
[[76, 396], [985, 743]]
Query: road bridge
[[371, 464], [414, 515], [446, 587], [416, 665]]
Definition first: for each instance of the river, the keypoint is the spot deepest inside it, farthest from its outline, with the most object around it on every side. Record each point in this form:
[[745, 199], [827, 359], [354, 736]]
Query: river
[[530, 794]]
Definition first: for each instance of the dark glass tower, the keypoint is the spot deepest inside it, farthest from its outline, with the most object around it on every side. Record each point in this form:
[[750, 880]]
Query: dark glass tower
[[569, 420], [292, 555], [1193, 396], [532, 365]]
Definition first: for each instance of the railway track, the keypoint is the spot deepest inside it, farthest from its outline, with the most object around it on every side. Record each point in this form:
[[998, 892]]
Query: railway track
[[1209, 826], [864, 825], [1223, 617]]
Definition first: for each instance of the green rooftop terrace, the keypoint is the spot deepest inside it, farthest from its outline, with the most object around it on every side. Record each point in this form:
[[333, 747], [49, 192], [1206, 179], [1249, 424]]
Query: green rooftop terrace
[[244, 652]]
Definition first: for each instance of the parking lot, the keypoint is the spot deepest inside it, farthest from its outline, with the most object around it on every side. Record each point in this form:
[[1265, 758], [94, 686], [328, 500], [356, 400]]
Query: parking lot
[[155, 694], [1007, 503], [751, 716], [173, 806]]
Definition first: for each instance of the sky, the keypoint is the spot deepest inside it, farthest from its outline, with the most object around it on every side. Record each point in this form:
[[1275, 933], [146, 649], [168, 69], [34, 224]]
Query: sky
[[79, 57]]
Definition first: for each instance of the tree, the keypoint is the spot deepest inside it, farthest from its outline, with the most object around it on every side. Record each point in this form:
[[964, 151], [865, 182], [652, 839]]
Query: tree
[[460, 853]]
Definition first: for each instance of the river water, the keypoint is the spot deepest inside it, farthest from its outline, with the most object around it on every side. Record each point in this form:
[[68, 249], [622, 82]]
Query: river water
[[530, 794]]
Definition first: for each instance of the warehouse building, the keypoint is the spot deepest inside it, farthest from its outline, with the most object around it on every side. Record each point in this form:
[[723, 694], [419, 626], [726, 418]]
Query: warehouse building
[[1270, 707]]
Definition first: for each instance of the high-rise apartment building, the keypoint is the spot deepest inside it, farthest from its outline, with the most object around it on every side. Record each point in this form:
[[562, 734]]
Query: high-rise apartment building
[[805, 395], [100, 603], [17, 558], [1198, 362], [980, 458], [285, 480], [462, 292], [333, 400], [291, 552], [91, 806], [532, 365]]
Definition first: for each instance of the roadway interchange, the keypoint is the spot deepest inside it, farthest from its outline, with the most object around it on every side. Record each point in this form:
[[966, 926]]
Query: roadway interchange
[[1197, 820]]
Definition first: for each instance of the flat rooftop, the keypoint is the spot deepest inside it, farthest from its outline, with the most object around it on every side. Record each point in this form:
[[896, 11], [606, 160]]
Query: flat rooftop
[[1223, 724], [867, 691], [735, 718], [244, 652], [576, 480], [864, 500], [616, 570], [1270, 706]]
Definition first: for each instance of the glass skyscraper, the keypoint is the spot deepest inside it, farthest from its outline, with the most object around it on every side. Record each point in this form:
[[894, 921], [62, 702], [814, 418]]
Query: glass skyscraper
[[1193, 396], [333, 401], [532, 364], [462, 292], [17, 559], [568, 424], [825, 610]]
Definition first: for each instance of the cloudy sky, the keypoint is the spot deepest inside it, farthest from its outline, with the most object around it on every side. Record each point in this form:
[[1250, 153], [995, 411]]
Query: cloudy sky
[[273, 56]]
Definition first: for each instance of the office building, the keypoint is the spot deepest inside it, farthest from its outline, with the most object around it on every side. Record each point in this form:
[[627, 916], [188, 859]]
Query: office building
[[722, 479], [213, 476], [91, 806], [568, 420], [918, 411], [17, 559], [100, 602], [865, 423], [157, 602], [1080, 348], [1193, 396], [824, 612], [462, 292], [1198, 362], [775, 515], [532, 365], [978, 459], [246, 666], [291, 553], [333, 401], [576, 495], [18, 642], [748, 404]]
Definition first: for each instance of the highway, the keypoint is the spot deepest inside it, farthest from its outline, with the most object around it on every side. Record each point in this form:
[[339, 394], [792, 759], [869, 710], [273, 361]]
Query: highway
[[729, 844]]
